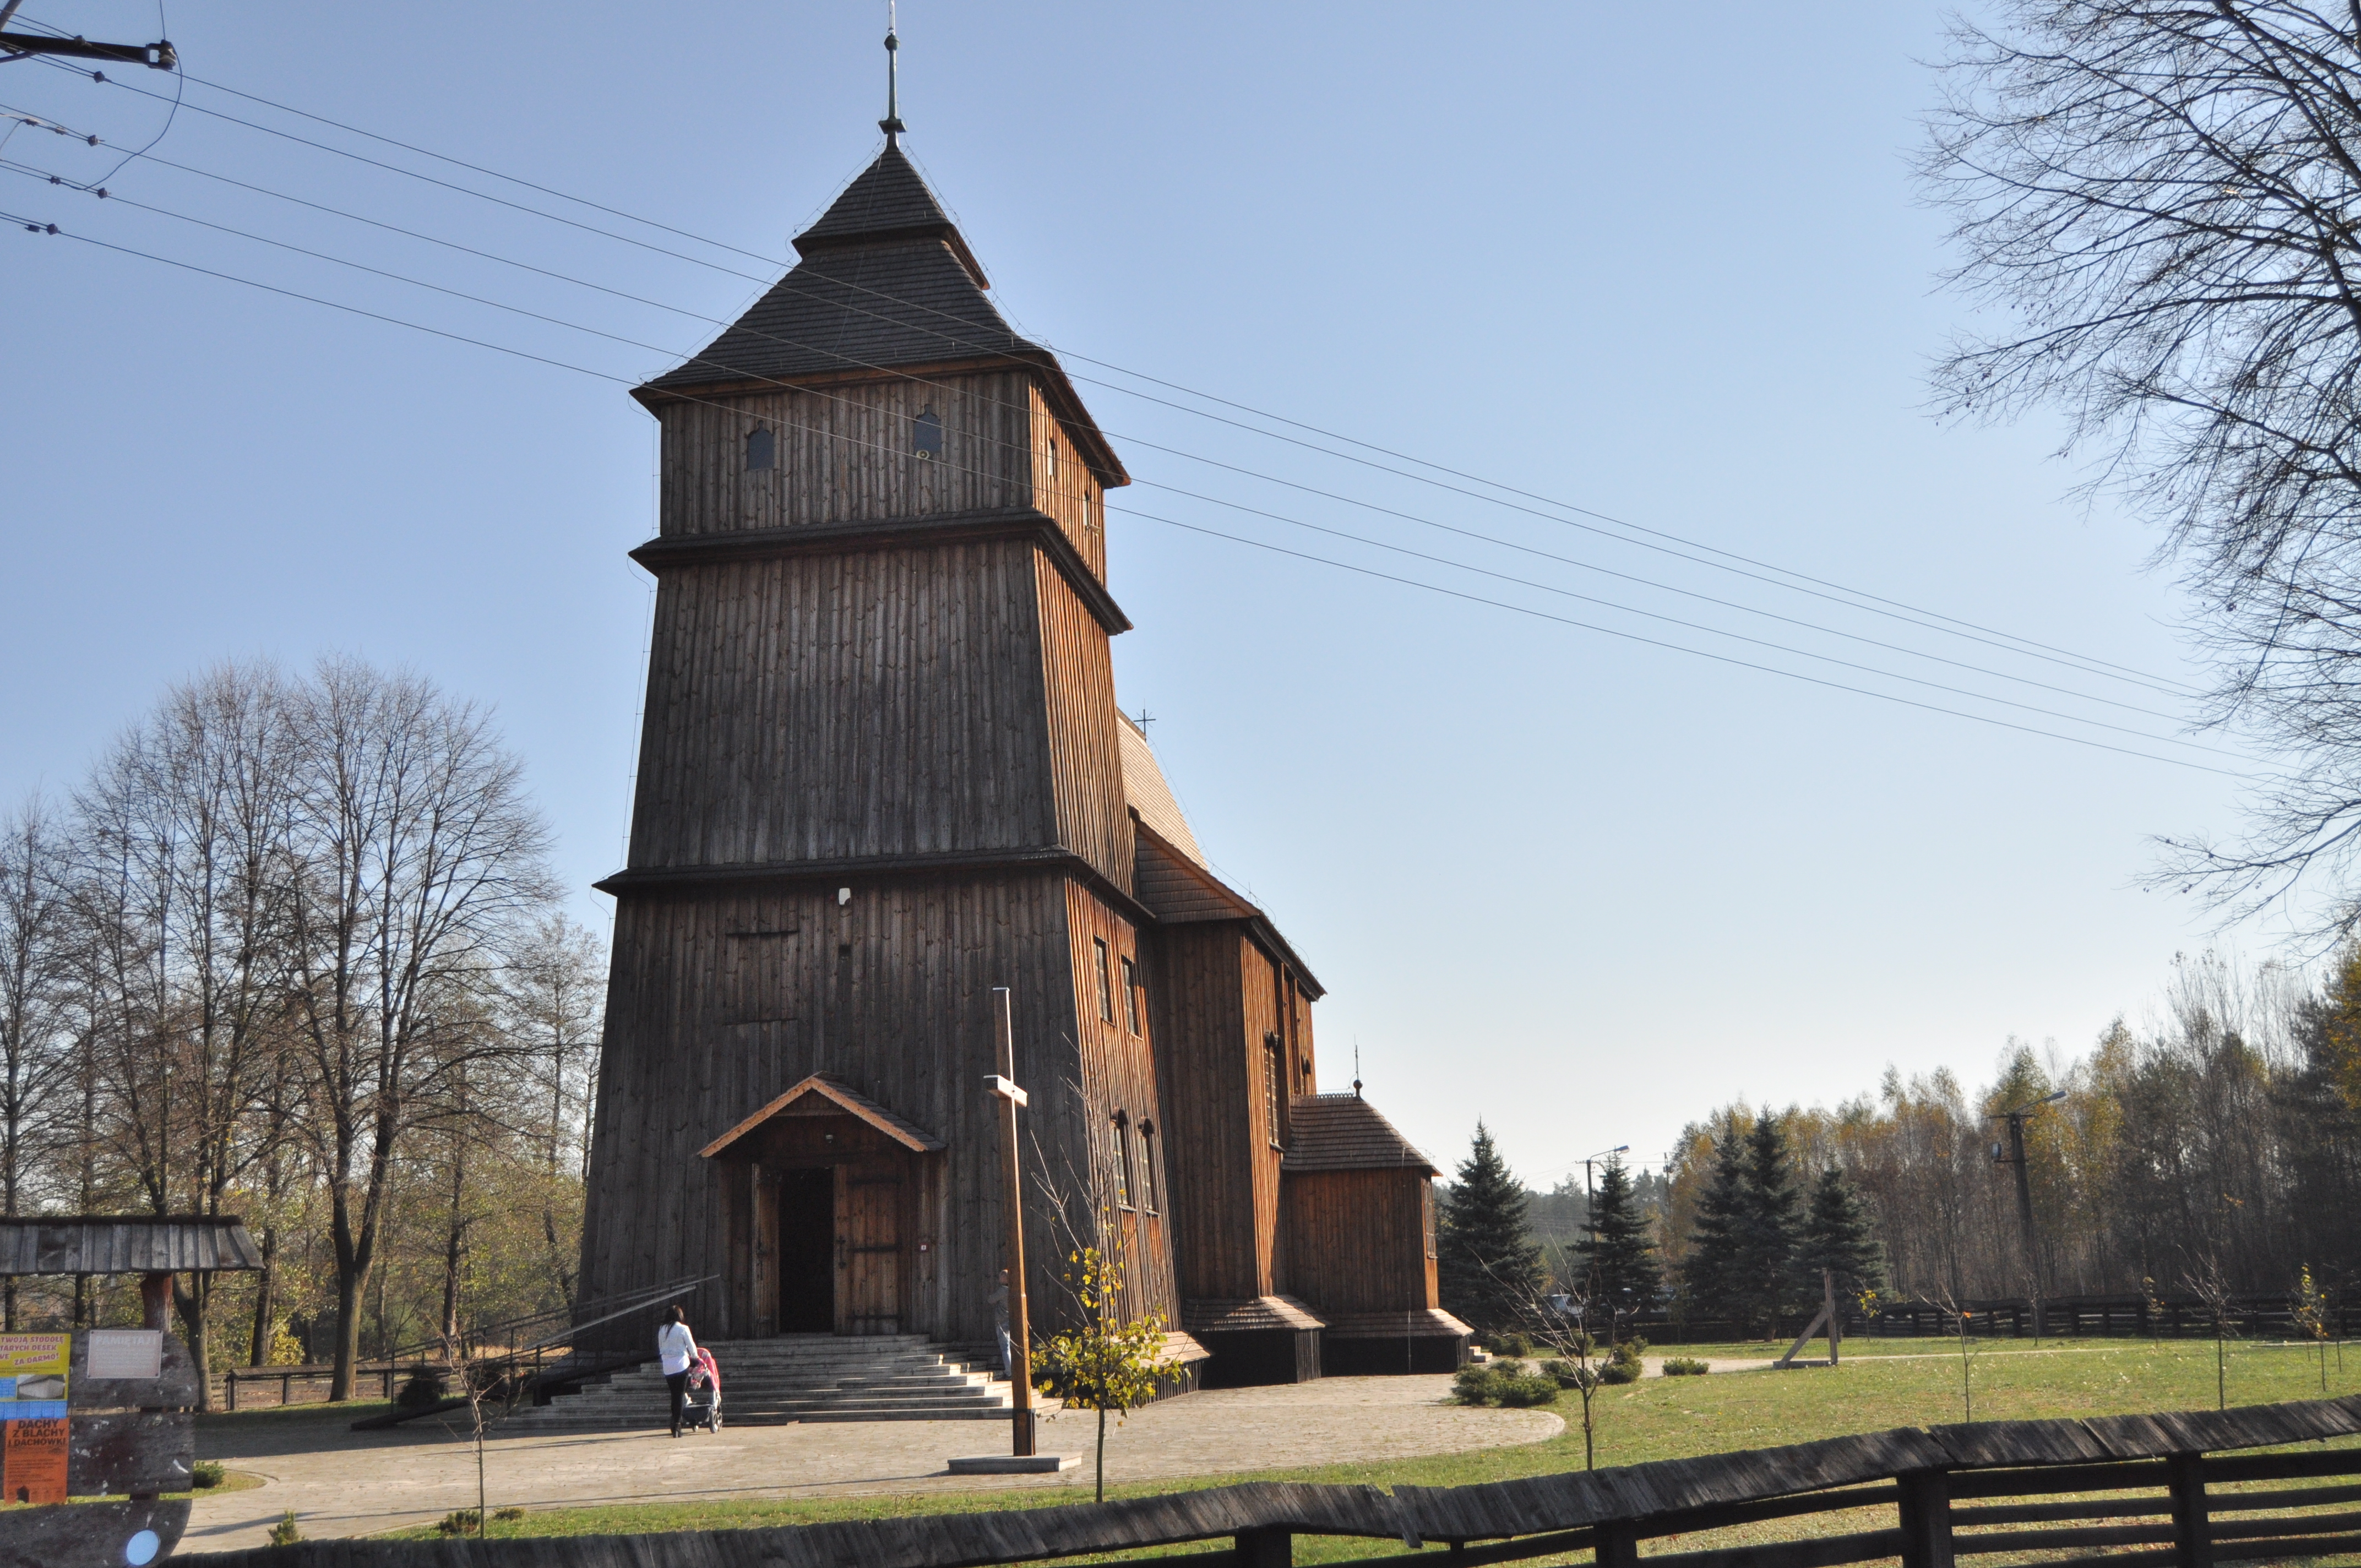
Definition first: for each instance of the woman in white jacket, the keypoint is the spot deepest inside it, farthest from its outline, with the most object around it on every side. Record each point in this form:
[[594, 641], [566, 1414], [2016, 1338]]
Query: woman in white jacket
[[676, 1350]]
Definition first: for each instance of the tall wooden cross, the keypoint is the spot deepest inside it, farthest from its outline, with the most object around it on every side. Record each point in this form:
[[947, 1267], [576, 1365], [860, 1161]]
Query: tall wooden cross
[[1003, 1083]]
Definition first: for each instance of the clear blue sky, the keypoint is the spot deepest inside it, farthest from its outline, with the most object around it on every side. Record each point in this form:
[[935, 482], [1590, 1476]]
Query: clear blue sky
[[1661, 262]]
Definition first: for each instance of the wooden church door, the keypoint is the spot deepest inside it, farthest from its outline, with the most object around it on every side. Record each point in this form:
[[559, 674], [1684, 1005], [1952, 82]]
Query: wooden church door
[[869, 1252]]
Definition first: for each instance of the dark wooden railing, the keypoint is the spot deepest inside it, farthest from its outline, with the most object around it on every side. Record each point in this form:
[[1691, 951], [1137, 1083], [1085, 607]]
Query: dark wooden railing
[[2112, 1490], [2245, 1317], [385, 1377]]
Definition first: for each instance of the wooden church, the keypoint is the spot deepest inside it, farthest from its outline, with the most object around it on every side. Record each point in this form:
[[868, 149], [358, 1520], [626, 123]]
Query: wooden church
[[883, 772]]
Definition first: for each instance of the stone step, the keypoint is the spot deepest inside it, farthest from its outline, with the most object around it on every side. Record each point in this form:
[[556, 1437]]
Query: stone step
[[804, 1378]]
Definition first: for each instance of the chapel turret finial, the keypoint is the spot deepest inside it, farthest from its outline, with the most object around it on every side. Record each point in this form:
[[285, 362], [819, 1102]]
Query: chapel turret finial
[[891, 123]]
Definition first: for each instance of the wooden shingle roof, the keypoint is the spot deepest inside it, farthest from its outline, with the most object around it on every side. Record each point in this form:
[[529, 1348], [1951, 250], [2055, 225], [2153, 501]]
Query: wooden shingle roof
[[1343, 1132], [1147, 792], [886, 284], [887, 200], [1420, 1323], [123, 1244], [1260, 1313]]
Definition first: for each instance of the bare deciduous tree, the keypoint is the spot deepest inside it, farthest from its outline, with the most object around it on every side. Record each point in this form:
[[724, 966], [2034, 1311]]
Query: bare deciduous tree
[[186, 822], [553, 996], [37, 1056], [420, 853], [2164, 197]]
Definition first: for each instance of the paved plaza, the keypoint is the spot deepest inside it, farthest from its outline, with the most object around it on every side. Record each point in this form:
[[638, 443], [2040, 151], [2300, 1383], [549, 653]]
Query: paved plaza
[[342, 1482]]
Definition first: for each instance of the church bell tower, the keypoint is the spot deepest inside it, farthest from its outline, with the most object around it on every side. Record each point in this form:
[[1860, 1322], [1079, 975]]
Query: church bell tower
[[879, 775]]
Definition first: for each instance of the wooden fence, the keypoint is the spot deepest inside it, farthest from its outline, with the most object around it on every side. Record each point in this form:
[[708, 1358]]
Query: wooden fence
[[2159, 1485], [2247, 1317]]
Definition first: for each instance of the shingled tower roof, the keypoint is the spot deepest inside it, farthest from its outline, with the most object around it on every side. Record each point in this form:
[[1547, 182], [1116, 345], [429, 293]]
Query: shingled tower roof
[[887, 283]]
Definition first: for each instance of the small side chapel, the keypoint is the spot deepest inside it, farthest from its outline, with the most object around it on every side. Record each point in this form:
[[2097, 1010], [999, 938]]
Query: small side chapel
[[883, 772]]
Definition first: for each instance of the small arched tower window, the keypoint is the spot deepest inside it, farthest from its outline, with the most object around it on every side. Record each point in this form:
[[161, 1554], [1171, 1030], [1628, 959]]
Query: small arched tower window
[[926, 433], [761, 449]]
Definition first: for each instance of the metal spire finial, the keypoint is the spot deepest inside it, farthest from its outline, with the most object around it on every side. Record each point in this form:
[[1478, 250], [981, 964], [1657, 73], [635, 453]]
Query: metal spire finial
[[891, 123]]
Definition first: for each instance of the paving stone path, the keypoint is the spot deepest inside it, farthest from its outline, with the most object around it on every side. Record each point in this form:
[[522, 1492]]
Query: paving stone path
[[342, 1483]]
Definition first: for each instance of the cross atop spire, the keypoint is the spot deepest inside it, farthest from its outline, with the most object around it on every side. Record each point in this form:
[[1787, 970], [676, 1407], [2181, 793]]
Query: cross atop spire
[[891, 123]]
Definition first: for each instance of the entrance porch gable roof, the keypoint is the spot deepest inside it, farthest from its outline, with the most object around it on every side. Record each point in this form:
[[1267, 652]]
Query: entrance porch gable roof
[[836, 1091]]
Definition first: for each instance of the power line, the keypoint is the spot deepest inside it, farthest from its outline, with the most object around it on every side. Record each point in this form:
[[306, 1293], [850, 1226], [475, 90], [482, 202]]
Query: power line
[[1688, 625], [290, 293], [31, 172], [1679, 647], [1470, 533], [1951, 625]]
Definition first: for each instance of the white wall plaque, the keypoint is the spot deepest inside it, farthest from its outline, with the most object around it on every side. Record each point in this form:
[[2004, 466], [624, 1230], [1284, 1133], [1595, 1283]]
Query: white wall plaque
[[125, 1353]]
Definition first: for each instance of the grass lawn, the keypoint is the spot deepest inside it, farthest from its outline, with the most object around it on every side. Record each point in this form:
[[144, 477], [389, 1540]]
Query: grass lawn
[[1888, 1383]]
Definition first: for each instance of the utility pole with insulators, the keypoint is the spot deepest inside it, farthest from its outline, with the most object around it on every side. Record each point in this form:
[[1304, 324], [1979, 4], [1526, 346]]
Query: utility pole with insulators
[[157, 55]]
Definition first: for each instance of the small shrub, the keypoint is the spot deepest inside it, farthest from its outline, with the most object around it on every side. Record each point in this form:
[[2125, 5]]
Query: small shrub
[[1569, 1374], [1624, 1366], [507, 1515], [207, 1473], [1509, 1343], [1477, 1384], [1520, 1389], [284, 1532], [458, 1521], [1684, 1366], [423, 1390]]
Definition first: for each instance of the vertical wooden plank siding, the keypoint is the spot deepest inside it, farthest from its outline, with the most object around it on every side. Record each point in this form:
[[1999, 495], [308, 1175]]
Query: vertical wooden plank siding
[[1064, 489], [1356, 1241], [1262, 987], [846, 453], [890, 991], [1085, 758], [888, 702], [1119, 1074], [1196, 1002]]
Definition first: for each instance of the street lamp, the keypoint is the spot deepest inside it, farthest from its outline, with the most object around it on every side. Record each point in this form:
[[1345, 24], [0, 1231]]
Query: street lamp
[[2015, 1156]]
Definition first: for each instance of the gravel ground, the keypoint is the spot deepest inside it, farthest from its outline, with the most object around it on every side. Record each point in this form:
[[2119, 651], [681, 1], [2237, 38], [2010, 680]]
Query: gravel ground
[[342, 1482]]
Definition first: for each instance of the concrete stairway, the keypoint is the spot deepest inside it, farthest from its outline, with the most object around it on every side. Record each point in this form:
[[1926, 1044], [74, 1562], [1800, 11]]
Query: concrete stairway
[[799, 1377]]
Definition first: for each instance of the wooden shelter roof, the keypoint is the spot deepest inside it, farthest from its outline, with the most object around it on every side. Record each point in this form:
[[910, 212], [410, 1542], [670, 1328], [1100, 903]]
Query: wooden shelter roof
[[1258, 1312], [1343, 1132], [125, 1243], [1420, 1323], [836, 1091], [886, 284]]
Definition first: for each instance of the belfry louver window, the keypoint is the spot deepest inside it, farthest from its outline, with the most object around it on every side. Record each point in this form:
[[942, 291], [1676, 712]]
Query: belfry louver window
[[761, 449], [926, 433]]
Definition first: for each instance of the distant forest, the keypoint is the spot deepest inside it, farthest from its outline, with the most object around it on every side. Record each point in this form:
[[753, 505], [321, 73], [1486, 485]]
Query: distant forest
[[2220, 1146]]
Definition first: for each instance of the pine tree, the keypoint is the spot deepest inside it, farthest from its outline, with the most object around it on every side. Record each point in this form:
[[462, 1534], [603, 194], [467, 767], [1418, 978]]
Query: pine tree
[[1620, 1265], [1489, 1271], [1766, 1263], [1709, 1273], [1837, 1237]]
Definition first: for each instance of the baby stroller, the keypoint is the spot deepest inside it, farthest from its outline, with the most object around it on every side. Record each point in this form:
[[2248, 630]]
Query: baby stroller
[[704, 1405]]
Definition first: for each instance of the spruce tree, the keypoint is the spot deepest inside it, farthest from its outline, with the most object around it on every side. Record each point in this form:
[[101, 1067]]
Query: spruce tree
[[1709, 1273], [1489, 1271], [1619, 1261], [1773, 1226], [1837, 1237]]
